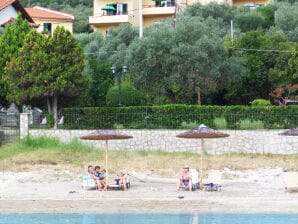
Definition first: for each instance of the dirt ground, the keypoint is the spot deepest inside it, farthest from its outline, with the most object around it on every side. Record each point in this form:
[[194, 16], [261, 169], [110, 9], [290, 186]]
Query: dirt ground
[[54, 191]]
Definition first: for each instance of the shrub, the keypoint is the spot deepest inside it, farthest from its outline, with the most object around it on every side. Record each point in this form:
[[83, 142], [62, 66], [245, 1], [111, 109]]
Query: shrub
[[179, 116], [260, 102], [130, 96]]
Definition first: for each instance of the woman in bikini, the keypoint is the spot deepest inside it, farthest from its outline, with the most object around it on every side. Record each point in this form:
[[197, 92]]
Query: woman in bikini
[[185, 180]]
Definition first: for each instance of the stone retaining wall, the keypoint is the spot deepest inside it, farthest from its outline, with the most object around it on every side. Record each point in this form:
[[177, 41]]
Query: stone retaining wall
[[239, 141]]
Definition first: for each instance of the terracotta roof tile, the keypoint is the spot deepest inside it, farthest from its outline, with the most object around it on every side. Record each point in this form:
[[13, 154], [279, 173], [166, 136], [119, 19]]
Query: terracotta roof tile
[[5, 3], [44, 13], [18, 6]]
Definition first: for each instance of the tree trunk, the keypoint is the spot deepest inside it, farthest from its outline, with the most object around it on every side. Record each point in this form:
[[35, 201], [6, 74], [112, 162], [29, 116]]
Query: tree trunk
[[49, 105], [199, 94], [54, 107]]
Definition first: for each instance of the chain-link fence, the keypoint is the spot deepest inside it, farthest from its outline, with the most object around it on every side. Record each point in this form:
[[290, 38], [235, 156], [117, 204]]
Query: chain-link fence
[[148, 119]]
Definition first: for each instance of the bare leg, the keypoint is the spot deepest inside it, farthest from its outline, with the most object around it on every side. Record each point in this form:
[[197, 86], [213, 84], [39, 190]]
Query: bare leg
[[123, 181], [190, 185]]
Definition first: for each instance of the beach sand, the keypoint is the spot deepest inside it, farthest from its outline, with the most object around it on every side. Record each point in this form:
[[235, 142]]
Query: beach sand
[[56, 191]]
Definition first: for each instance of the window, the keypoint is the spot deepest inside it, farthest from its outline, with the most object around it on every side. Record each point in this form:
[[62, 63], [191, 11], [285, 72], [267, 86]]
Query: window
[[47, 27], [121, 9]]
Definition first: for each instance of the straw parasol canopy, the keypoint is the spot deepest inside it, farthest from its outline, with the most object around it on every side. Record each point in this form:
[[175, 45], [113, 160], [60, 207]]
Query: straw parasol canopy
[[202, 132], [290, 132], [106, 135]]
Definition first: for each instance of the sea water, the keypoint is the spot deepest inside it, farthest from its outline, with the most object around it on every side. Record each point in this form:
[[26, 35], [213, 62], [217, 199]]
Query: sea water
[[156, 218]]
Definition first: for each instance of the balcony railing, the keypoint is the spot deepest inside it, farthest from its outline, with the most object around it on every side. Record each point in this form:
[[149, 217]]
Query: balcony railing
[[109, 19]]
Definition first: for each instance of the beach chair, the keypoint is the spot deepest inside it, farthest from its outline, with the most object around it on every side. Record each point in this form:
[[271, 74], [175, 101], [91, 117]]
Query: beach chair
[[88, 183], [213, 182], [119, 186], [194, 178], [291, 180]]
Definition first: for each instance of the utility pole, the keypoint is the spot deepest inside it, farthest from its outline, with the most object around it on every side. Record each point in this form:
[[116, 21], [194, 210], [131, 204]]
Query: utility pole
[[175, 16], [232, 31], [140, 18]]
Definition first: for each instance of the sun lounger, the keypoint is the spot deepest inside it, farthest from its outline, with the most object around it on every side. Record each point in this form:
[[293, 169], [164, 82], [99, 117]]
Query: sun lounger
[[194, 178], [291, 179], [213, 182], [88, 183], [119, 186]]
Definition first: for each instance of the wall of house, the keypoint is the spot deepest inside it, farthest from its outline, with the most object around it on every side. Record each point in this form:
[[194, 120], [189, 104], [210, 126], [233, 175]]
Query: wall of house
[[243, 2], [150, 20], [8, 13], [239, 141], [55, 23]]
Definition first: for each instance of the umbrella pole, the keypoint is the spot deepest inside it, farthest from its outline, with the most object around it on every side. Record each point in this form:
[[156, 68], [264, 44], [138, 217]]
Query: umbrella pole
[[107, 146], [201, 170]]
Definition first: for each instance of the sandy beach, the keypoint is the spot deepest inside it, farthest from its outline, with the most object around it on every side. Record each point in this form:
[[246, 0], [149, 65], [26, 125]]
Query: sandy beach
[[54, 191]]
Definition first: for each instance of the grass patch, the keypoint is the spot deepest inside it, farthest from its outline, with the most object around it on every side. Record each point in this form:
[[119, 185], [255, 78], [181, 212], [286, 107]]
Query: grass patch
[[42, 152]]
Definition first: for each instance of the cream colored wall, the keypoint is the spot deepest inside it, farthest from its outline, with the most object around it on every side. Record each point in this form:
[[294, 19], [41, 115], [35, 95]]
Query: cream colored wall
[[104, 28], [67, 25], [150, 20], [242, 2], [148, 3]]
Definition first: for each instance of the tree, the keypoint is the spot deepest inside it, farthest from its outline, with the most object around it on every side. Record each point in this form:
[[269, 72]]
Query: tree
[[182, 62], [286, 19], [249, 21], [266, 59], [11, 41], [47, 67], [293, 65], [101, 81]]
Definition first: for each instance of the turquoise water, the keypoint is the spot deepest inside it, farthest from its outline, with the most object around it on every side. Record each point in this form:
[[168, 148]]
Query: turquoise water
[[149, 218]]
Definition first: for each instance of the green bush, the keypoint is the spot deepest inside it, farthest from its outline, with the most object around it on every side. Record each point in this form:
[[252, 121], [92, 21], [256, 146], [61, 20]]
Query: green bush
[[181, 116], [260, 102], [130, 96]]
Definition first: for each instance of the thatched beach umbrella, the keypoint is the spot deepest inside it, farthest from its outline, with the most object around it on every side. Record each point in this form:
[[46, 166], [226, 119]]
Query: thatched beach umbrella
[[106, 135], [290, 132], [202, 132]]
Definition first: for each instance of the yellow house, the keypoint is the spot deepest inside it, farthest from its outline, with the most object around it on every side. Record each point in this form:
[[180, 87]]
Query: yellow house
[[111, 13], [48, 19]]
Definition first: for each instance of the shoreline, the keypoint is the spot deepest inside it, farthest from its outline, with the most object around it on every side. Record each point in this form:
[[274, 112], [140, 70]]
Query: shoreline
[[155, 206], [250, 191]]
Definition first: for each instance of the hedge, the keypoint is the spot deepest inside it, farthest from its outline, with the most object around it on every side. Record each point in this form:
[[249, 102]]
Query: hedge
[[178, 116]]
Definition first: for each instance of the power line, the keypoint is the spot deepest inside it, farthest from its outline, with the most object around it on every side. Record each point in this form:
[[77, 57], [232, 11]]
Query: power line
[[259, 50]]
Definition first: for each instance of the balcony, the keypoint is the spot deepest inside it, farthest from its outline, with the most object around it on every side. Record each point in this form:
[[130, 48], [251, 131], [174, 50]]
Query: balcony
[[153, 11], [108, 19]]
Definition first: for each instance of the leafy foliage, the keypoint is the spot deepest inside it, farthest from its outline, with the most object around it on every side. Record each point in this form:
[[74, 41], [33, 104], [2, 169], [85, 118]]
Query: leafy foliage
[[46, 67], [175, 116], [10, 41], [130, 96], [260, 102]]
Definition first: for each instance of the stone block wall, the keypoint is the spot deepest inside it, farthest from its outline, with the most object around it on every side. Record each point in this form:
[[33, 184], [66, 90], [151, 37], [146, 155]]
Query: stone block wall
[[239, 141]]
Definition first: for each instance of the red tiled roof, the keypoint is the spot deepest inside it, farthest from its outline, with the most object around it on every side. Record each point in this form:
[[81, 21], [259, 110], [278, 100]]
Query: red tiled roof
[[5, 3], [18, 6], [11, 20], [44, 13]]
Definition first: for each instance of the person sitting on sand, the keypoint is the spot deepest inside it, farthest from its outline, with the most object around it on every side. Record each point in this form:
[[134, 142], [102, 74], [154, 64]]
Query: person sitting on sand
[[185, 180], [102, 180], [98, 176], [90, 172], [122, 179]]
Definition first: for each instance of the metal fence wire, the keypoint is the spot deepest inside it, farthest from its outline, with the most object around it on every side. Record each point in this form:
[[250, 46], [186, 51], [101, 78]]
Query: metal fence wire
[[147, 119]]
